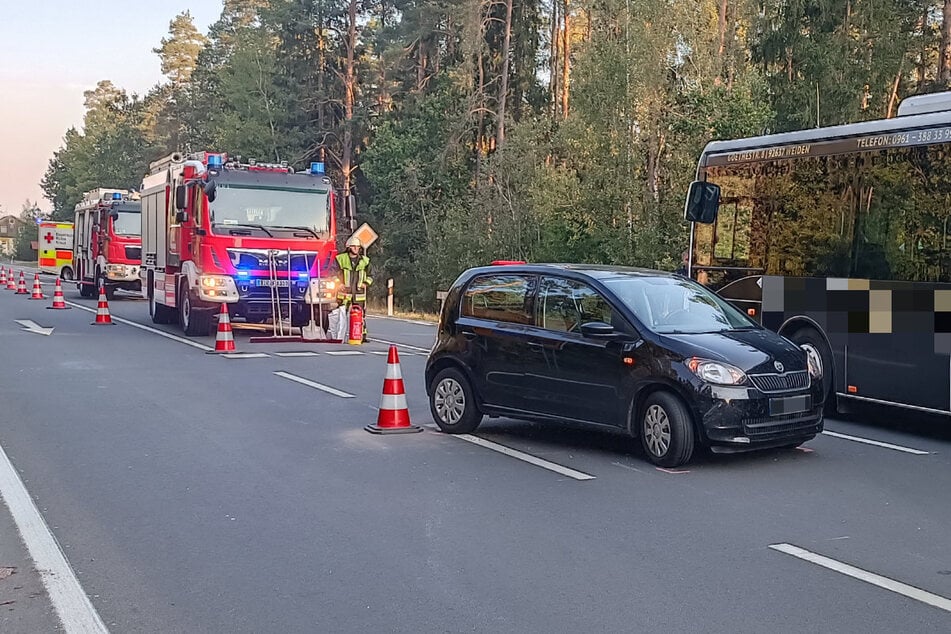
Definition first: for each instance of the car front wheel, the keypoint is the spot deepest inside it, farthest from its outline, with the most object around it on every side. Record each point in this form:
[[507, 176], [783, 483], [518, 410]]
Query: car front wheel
[[666, 430], [453, 404]]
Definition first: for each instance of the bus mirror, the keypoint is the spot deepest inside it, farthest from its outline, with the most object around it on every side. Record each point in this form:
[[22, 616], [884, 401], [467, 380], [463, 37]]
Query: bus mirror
[[181, 197], [703, 202]]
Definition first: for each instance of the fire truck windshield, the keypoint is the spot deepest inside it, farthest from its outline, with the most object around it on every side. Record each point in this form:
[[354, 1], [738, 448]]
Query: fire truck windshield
[[127, 224], [306, 209]]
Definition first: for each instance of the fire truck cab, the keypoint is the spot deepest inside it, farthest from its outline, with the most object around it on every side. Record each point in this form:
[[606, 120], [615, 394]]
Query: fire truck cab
[[107, 243], [259, 237]]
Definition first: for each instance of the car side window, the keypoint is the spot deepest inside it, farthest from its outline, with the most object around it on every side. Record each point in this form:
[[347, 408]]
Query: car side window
[[564, 305], [505, 298]]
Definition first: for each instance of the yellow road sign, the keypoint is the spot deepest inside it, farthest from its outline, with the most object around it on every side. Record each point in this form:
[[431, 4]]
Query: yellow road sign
[[365, 234]]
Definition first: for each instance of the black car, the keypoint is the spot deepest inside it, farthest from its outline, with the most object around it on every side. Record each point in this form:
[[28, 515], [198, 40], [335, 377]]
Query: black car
[[652, 353]]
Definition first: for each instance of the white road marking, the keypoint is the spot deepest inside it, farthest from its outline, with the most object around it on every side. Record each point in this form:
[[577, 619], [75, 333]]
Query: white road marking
[[245, 355], [75, 610], [296, 354], [897, 587], [31, 326], [514, 453], [380, 353], [886, 445], [155, 331], [400, 345], [343, 353], [314, 384], [418, 322]]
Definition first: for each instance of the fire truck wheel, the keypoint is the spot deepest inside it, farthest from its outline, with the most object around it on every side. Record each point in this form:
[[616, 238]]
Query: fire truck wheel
[[195, 322], [110, 292], [86, 290]]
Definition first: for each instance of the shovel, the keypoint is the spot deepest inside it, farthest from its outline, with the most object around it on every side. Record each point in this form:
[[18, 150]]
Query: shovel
[[312, 331]]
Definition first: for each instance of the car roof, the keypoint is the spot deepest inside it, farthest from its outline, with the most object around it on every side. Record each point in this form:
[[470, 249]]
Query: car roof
[[601, 272]]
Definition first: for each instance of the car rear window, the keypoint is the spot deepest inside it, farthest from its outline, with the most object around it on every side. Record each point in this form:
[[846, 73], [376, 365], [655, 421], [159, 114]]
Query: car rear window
[[500, 298]]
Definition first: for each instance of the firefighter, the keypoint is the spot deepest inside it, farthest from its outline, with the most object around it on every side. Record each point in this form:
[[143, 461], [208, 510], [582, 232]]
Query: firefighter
[[353, 273]]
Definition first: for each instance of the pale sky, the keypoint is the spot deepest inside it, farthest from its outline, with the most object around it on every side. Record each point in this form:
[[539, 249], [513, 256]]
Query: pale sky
[[53, 50]]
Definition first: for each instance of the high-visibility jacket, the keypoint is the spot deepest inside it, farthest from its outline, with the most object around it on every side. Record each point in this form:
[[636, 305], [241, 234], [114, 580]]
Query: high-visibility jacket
[[355, 279]]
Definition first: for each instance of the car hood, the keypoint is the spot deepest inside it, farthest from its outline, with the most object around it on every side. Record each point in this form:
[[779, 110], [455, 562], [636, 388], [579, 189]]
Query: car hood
[[749, 350]]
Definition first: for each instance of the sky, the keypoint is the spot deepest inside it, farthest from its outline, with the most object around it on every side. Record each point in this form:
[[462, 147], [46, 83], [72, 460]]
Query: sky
[[53, 50]]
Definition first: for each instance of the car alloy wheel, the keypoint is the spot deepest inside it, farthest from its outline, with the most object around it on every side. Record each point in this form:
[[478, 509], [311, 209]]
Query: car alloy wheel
[[657, 430], [449, 401]]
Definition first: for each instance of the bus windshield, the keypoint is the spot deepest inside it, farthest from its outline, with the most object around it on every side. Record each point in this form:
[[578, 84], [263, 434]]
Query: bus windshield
[[270, 207]]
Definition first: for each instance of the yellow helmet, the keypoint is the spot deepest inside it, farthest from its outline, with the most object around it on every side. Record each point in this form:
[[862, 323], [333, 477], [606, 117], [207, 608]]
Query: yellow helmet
[[354, 242]]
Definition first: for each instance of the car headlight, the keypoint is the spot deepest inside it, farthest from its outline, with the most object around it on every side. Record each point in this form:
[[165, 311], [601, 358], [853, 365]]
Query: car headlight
[[716, 372], [813, 360]]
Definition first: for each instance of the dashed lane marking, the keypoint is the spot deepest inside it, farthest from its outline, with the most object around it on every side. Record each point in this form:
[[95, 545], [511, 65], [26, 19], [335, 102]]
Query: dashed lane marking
[[155, 331], [306, 353], [314, 384], [942, 603], [876, 443], [530, 459], [400, 345], [245, 355], [343, 353], [76, 612]]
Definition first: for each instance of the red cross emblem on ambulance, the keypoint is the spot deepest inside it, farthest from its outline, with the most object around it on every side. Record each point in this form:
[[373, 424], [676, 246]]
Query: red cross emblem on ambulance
[[49, 237]]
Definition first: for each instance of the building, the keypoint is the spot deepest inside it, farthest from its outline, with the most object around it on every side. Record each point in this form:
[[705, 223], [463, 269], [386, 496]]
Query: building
[[9, 228]]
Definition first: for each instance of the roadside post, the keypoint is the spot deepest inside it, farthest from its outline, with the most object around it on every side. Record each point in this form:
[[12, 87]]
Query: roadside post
[[389, 297]]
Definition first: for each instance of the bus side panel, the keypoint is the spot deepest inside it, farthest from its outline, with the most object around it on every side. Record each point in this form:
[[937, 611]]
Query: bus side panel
[[891, 341]]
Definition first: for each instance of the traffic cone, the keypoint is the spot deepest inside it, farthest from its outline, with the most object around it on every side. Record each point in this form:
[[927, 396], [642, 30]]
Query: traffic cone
[[103, 318], [394, 415], [21, 285], [11, 281], [37, 288], [59, 302], [3, 276], [224, 339]]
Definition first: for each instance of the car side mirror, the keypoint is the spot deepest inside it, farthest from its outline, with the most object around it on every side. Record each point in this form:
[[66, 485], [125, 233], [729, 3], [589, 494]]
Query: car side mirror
[[181, 198], [597, 329], [703, 202]]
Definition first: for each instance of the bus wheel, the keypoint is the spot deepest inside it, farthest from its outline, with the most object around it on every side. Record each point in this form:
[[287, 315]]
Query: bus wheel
[[810, 337]]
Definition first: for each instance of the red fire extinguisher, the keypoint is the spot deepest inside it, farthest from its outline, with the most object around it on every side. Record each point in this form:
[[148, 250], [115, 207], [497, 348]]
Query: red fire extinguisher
[[356, 325]]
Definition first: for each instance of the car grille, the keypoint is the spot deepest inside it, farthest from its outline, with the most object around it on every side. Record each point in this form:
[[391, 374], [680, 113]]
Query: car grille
[[133, 253], [786, 425], [771, 383]]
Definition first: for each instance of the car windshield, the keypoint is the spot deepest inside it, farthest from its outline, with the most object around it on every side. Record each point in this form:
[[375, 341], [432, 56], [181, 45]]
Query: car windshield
[[271, 207], [673, 305], [127, 224]]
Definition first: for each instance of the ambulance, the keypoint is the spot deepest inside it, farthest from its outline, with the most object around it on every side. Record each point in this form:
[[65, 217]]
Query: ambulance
[[54, 247]]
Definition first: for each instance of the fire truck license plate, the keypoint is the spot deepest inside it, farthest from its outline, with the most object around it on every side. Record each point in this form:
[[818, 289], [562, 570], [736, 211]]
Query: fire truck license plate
[[271, 283]]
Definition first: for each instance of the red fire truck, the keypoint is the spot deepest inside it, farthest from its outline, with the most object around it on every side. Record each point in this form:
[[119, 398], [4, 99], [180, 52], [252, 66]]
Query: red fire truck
[[259, 237], [107, 243]]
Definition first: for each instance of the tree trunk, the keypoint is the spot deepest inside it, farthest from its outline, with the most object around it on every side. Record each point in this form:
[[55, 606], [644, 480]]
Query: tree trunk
[[553, 57], [504, 84], [348, 102], [944, 57], [721, 33], [566, 57], [893, 97], [921, 66]]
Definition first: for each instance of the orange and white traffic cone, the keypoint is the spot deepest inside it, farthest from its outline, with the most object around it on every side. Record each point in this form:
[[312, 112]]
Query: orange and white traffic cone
[[59, 302], [11, 281], [224, 339], [21, 285], [394, 414], [103, 318], [37, 287]]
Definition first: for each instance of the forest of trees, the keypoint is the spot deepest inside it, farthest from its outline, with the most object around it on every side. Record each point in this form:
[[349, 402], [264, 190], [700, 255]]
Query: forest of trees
[[473, 130]]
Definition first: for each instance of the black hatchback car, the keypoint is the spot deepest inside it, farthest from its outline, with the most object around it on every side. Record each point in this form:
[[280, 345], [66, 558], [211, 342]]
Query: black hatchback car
[[652, 353]]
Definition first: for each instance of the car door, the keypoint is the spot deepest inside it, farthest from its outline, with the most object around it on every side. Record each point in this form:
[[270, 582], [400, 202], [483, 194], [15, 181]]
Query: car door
[[497, 318], [585, 375]]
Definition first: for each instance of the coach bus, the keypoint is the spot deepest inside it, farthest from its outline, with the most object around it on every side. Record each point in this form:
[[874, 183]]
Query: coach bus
[[839, 238]]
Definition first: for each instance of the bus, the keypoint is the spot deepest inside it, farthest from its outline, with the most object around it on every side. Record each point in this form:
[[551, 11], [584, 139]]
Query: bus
[[839, 238]]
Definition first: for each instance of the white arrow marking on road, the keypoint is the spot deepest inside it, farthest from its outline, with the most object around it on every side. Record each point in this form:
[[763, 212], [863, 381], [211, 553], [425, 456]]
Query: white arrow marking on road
[[31, 326]]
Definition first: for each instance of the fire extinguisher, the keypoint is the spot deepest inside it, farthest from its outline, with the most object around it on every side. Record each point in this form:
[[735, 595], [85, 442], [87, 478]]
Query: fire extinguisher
[[356, 325]]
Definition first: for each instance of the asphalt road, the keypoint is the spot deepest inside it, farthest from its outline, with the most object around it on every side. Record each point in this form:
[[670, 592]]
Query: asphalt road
[[194, 493]]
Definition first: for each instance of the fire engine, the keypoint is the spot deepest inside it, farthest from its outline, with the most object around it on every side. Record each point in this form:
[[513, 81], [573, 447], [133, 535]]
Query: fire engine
[[107, 243], [55, 248], [259, 237]]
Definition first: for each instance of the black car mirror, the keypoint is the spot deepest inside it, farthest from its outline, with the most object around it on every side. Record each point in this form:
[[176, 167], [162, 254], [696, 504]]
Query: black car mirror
[[597, 329], [703, 202]]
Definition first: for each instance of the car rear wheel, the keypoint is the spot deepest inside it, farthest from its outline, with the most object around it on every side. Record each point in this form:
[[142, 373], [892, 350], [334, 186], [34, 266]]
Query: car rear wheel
[[453, 404], [666, 430]]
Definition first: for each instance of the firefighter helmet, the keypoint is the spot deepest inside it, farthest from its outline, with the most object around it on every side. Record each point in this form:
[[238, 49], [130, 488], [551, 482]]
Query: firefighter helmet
[[354, 242]]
